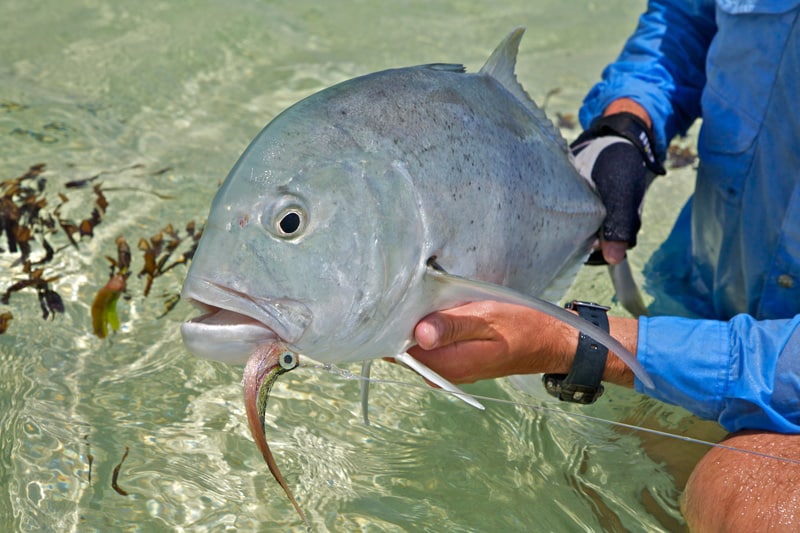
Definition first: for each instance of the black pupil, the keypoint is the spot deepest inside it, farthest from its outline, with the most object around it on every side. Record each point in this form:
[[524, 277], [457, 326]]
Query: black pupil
[[290, 223], [287, 359]]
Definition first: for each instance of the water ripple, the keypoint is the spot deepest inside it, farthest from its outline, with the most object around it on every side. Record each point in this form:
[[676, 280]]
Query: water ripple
[[105, 86]]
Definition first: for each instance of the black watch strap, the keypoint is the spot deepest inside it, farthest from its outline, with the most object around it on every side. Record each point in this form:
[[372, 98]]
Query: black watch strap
[[583, 383]]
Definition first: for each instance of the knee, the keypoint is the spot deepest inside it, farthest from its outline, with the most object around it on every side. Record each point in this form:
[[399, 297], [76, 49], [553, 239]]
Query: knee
[[732, 490]]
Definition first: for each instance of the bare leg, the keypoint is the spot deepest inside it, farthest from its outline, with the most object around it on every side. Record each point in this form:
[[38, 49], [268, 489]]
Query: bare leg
[[735, 491]]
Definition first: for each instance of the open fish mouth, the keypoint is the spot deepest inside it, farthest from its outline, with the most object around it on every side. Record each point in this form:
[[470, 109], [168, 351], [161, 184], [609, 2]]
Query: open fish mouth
[[225, 335], [234, 324]]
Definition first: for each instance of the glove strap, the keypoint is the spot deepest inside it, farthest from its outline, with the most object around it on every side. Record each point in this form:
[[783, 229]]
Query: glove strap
[[582, 384], [628, 126]]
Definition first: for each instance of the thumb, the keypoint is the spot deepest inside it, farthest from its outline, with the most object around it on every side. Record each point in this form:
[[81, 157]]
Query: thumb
[[614, 251], [429, 332], [442, 328]]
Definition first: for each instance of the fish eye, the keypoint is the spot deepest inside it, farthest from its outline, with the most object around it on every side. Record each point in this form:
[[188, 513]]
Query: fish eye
[[290, 222], [288, 360], [285, 217]]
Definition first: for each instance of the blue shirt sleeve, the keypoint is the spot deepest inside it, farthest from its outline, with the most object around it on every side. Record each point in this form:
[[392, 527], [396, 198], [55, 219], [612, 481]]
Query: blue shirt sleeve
[[662, 67], [744, 373]]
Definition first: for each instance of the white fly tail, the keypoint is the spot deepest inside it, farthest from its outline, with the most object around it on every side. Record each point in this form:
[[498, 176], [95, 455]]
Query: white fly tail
[[437, 380]]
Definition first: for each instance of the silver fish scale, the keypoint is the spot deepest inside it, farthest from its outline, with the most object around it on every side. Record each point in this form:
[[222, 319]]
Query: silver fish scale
[[504, 202]]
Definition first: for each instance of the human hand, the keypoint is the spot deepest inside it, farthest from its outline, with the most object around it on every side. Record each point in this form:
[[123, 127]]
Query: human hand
[[616, 154], [485, 340]]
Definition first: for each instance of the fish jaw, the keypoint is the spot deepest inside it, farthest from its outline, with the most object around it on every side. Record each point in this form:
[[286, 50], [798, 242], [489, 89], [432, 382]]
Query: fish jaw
[[233, 325], [230, 343]]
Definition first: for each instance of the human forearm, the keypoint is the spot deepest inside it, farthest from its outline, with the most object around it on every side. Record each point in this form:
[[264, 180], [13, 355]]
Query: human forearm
[[486, 340]]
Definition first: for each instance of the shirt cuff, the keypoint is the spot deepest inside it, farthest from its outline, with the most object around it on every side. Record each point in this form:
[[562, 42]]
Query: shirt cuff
[[742, 373], [688, 360]]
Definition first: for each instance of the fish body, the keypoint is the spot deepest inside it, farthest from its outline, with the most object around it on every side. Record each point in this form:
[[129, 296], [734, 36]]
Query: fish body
[[327, 230], [366, 206]]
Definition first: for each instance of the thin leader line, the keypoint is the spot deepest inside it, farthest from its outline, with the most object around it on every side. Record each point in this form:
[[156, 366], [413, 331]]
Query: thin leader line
[[346, 374]]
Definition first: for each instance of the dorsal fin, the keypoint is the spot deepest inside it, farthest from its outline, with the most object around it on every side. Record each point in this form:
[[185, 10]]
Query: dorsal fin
[[500, 66]]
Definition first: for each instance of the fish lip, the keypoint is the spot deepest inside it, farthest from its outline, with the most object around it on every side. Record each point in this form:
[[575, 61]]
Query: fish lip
[[226, 343], [224, 307]]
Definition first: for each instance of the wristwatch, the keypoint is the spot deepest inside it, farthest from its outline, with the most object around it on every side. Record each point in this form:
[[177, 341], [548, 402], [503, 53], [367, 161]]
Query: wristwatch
[[583, 383]]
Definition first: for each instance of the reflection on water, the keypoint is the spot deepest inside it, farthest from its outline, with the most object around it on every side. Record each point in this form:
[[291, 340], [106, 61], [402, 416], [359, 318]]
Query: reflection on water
[[88, 87]]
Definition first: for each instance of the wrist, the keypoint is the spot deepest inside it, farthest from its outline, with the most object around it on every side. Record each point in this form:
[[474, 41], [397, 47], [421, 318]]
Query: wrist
[[627, 126], [628, 105], [626, 331], [564, 346], [583, 383]]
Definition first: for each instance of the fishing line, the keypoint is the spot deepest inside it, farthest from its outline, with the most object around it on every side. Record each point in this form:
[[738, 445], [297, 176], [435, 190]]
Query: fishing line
[[346, 374]]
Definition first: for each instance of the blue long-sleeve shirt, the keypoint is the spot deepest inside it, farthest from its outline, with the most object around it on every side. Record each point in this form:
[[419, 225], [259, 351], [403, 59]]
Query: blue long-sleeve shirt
[[733, 257]]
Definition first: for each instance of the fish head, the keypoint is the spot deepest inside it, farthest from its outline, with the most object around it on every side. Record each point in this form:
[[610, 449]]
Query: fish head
[[312, 241]]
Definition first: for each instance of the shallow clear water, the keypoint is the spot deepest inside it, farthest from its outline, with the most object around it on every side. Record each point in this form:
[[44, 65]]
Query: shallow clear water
[[92, 86]]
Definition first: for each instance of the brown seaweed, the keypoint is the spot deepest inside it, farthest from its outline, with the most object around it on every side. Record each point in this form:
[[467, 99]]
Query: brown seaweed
[[35, 233], [115, 475]]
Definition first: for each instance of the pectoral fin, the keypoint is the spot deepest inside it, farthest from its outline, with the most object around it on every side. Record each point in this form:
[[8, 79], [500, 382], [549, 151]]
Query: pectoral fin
[[448, 291]]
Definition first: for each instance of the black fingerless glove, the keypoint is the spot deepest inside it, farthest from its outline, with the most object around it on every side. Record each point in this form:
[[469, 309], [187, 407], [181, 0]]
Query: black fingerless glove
[[628, 126], [617, 154]]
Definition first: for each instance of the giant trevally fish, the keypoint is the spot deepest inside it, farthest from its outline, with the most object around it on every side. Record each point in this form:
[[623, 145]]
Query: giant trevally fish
[[366, 206]]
